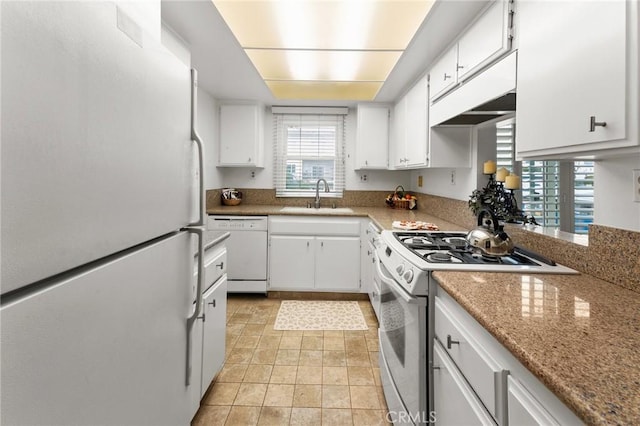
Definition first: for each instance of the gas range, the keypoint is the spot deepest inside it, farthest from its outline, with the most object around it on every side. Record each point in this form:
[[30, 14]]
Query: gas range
[[409, 256]]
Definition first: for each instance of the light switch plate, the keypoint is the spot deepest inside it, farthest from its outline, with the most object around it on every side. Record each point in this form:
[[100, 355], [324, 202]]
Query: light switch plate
[[636, 186]]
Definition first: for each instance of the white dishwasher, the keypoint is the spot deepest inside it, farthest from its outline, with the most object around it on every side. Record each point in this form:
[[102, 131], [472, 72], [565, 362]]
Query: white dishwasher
[[246, 251]]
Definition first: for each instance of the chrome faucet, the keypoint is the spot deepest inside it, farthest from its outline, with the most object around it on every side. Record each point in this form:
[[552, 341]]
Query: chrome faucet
[[316, 203]]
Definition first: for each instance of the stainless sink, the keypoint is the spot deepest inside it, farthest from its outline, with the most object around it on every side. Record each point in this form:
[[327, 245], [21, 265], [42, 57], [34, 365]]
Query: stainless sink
[[321, 210]]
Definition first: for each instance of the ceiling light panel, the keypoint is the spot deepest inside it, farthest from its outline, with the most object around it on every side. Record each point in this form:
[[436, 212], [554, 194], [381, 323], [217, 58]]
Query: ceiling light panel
[[353, 43], [307, 24], [323, 65], [322, 90]]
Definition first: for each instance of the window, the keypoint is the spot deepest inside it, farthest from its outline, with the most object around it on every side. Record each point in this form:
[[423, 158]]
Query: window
[[558, 194], [308, 148]]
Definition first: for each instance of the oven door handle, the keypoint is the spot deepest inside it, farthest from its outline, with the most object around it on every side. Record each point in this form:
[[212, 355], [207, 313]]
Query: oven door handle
[[394, 285]]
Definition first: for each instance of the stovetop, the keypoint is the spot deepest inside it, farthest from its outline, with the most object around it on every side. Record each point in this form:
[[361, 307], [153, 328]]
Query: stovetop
[[451, 247], [442, 250]]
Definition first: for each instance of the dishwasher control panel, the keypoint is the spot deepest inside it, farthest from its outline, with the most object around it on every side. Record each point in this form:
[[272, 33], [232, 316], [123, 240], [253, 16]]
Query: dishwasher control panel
[[237, 223]]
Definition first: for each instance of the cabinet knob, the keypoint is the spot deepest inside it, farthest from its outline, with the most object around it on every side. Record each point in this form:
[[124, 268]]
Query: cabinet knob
[[451, 342], [593, 123], [220, 265], [460, 66], [213, 303], [446, 76]]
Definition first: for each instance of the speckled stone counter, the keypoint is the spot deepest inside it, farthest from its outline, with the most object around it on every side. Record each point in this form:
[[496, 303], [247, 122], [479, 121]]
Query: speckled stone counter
[[382, 216], [579, 335]]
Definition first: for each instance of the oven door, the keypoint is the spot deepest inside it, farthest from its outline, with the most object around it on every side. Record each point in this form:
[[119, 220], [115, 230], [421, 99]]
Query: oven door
[[403, 348]]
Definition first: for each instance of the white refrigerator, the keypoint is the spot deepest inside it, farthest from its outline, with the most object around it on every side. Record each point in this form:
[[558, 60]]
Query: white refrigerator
[[99, 217]]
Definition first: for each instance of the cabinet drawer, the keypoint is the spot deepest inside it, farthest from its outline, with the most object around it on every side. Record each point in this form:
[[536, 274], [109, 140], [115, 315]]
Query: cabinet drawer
[[484, 374], [215, 265], [455, 403], [524, 409]]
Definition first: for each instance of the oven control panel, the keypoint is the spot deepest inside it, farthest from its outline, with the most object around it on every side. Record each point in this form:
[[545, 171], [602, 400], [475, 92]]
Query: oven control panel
[[412, 279]]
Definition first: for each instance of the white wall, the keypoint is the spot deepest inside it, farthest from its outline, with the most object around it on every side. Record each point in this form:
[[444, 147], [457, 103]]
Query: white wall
[[613, 193], [207, 124], [437, 181]]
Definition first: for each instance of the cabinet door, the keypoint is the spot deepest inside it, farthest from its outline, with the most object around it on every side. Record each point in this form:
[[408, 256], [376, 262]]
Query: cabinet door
[[524, 409], [239, 135], [291, 261], [337, 261], [214, 311], [454, 401], [399, 134], [486, 40], [574, 69], [443, 73], [372, 140], [417, 121]]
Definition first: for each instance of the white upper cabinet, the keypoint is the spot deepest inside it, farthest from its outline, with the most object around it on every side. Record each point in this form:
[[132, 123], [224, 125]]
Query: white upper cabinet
[[241, 136], [410, 124], [576, 72], [487, 39], [372, 137], [484, 41], [416, 145], [443, 75]]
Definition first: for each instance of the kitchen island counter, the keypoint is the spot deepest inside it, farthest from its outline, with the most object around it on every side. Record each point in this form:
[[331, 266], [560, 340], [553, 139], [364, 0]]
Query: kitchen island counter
[[578, 335]]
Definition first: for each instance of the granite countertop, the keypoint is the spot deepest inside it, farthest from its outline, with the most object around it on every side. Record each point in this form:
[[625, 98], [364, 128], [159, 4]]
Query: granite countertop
[[579, 335], [382, 216]]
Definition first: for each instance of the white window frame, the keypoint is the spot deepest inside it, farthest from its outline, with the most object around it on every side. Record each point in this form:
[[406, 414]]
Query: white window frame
[[282, 123]]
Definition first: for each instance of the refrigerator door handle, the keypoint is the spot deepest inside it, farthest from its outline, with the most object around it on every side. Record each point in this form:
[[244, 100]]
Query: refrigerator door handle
[[196, 312], [196, 138]]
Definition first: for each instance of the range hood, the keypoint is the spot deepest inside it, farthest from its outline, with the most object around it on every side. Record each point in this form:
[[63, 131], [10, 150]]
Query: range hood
[[488, 95], [496, 108]]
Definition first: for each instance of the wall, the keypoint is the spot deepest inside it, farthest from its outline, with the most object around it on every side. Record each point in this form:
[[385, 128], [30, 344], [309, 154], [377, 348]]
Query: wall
[[613, 193], [437, 181], [208, 130]]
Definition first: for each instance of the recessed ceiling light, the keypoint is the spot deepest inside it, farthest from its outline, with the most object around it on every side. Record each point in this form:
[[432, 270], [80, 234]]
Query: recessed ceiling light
[[315, 49]]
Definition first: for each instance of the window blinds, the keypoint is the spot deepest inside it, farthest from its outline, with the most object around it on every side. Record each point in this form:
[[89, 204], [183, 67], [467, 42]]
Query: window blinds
[[308, 148]]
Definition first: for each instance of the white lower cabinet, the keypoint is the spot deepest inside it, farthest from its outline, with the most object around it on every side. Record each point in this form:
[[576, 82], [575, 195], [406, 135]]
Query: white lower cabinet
[[524, 409], [338, 263], [478, 381], [455, 403], [214, 313], [291, 262], [314, 254]]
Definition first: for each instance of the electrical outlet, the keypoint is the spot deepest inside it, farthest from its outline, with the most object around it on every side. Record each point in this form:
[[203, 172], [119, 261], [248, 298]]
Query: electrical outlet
[[253, 174], [636, 186], [363, 178], [453, 177]]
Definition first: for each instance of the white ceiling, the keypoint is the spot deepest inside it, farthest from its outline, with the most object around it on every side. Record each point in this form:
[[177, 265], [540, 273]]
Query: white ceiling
[[225, 71]]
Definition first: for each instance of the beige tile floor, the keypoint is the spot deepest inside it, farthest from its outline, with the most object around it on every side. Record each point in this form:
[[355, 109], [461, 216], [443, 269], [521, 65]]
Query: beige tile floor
[[273, 377]]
